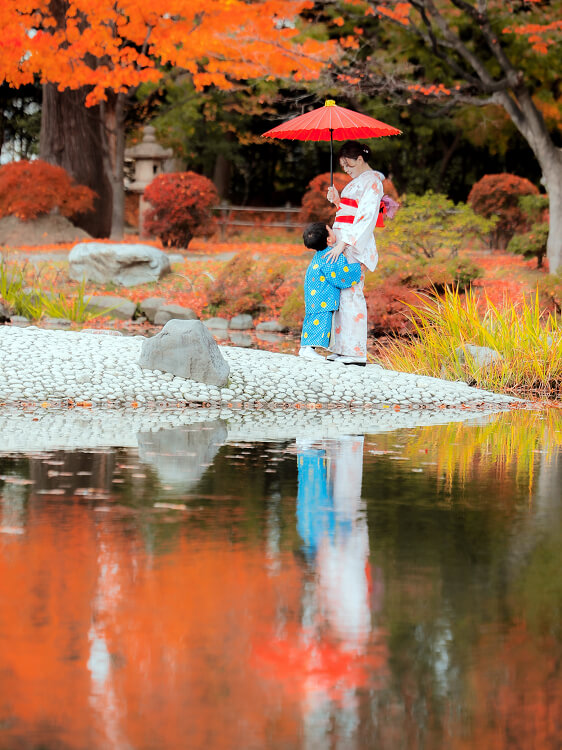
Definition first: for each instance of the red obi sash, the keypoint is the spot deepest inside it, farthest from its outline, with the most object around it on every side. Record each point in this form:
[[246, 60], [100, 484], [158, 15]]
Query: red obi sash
[[382, 211], [350, 218], [346, 218]]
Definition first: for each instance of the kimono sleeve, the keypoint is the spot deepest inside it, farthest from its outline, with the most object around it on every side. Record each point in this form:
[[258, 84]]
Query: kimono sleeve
[[341, 274], [360, 233]]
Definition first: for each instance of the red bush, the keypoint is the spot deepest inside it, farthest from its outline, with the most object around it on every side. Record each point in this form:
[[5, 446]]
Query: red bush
[[181, 203], [388, 309], [499, 194], [31, 188], [315, 206]]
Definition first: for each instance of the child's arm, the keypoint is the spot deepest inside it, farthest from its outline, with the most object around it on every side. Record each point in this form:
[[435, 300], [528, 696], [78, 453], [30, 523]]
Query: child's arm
[[341, 274]]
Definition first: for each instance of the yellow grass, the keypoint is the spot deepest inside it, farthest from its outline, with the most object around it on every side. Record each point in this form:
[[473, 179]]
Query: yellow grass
[[528, 340]]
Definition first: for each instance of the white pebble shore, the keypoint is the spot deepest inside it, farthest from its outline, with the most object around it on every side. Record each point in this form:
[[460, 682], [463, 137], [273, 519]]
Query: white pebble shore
[[37, 430], [53, 366]]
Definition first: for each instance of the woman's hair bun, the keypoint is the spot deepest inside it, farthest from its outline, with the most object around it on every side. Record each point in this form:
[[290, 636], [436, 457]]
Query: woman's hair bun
[[353, 149]]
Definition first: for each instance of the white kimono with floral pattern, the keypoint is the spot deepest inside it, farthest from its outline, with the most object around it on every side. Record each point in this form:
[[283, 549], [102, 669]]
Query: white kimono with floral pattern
[[354, 224]]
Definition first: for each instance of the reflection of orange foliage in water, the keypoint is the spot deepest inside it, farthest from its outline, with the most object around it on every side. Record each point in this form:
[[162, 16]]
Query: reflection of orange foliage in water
[[177, 630], [182, 629], [517, 694], [47, 584]]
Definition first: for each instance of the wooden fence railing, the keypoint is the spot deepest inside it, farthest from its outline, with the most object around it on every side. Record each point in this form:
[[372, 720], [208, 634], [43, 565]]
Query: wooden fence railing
[[227, 216]]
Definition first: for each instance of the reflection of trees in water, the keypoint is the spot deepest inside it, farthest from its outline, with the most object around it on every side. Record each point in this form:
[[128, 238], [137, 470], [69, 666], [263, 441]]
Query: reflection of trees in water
[[471, 613], [471, 550], [72, 470], [504, 447]]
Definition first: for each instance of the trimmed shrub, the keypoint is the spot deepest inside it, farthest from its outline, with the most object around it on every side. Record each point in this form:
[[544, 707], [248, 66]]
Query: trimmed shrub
[[250, 286], [390, 290], [181, 207], [498, 195], [292, 312], [29, 189], [427, 224], [532, 244]]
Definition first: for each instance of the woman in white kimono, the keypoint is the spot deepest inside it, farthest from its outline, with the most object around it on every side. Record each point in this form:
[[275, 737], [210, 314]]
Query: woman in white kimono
[[358, 211]]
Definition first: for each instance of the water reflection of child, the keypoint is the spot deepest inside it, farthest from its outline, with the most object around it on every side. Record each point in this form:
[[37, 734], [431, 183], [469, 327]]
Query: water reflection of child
[[322, 284]]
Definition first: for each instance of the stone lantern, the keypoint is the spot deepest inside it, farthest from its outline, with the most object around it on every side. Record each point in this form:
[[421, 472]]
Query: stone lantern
[[148, 158]]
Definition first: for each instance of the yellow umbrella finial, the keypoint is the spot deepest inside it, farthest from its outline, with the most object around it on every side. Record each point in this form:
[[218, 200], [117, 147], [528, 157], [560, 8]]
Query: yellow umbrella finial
[[329, 103]]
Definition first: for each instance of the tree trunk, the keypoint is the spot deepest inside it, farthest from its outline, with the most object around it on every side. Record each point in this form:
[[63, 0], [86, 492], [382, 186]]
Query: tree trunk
[[113, 115], [72, 137], [447, 156], [221, 175], [552, 175], [530, 123]]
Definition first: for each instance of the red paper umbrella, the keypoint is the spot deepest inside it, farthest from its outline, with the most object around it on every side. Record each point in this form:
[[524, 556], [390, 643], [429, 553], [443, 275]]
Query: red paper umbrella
[[331, 123]]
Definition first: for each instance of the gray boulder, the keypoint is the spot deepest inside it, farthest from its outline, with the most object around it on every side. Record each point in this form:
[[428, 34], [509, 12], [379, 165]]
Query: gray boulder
[[123, 264], [241, 323], [219, 334], [50, 229], [112, 307], [271, 326], [187, 349], [181, 455], [173, 312], [241, 339], [270, 338], [150, 306], [56, 323], [217, 323], [482, 355]]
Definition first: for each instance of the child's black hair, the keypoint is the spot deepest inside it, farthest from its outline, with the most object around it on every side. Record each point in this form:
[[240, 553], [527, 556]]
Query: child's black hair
[[315, 236]]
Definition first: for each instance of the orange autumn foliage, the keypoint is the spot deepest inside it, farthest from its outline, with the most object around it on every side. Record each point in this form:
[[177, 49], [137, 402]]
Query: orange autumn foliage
[[117, 46], [32, 188], [514, 694]]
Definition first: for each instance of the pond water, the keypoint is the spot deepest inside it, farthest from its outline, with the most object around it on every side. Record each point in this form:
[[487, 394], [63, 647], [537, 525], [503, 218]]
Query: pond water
[[395, 590]]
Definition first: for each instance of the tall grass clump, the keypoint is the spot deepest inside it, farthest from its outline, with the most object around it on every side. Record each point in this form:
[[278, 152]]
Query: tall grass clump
[[527, 340], [33, 302]]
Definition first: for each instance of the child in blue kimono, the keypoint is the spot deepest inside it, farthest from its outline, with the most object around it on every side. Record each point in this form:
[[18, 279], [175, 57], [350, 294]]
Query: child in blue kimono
[[322, 284]]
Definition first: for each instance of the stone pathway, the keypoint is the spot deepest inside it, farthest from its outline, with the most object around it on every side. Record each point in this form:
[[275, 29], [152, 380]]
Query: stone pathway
[[54, 366]]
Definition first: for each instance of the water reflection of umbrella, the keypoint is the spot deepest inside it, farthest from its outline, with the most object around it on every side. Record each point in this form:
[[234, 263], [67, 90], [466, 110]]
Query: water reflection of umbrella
[[315, 665], [331, 123]]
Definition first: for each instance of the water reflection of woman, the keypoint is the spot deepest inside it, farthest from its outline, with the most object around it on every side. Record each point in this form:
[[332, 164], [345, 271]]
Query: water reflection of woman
[[332, 524]]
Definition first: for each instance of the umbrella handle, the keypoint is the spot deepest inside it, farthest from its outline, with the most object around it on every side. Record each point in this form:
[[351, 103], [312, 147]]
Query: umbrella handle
[[331, 157]]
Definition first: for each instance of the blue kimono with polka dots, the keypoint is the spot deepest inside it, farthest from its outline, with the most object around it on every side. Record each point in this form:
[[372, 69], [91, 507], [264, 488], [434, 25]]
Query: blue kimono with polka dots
[[322, 284]]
